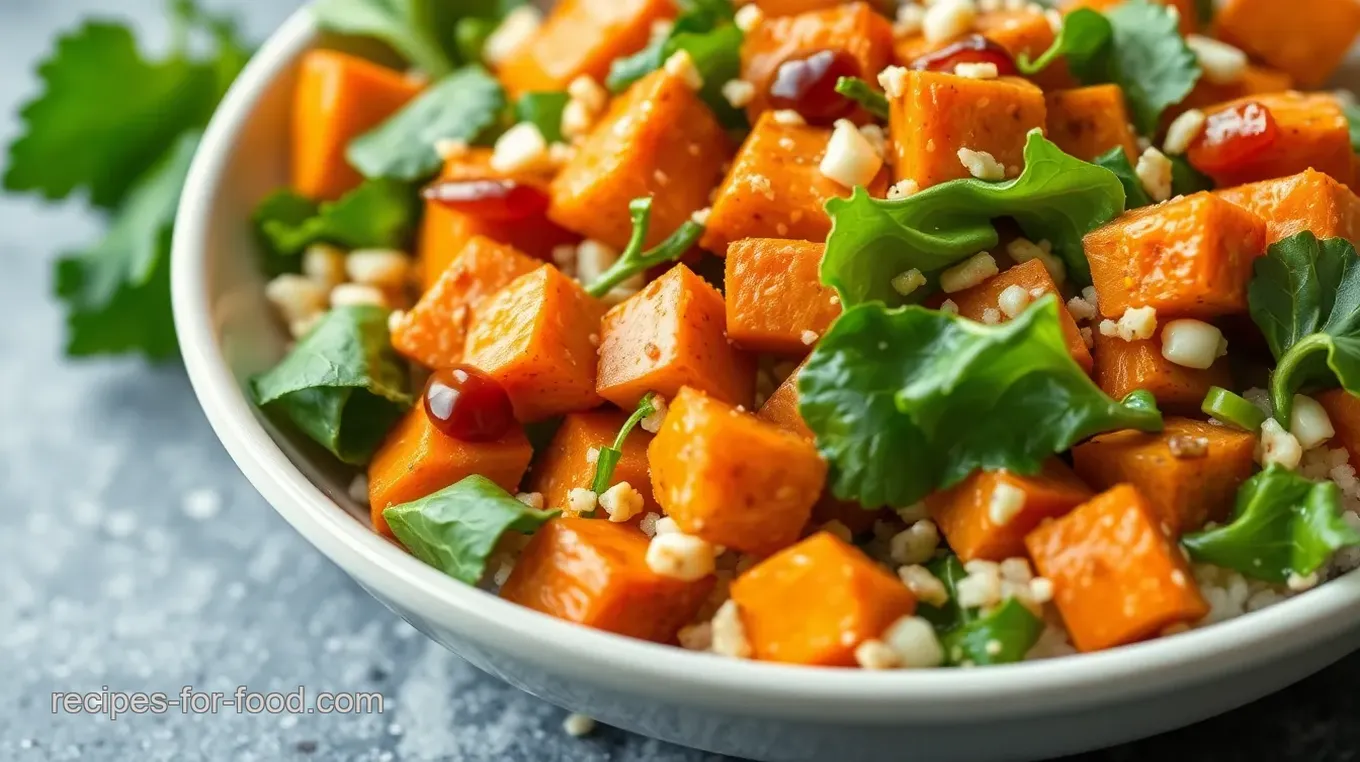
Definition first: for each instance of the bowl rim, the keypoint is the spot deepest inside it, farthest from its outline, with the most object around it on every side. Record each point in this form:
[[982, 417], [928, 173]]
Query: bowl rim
[[663, 672]]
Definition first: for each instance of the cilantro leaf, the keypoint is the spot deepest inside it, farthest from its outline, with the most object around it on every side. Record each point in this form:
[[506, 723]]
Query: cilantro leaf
[[635, 259], [378, 214], [609, 456], [544, 111], [1115, 160], [1283, 525], [1057, 197], [1305, 298], [408, 26], [907, 401], [1085, 34], [968, 635]]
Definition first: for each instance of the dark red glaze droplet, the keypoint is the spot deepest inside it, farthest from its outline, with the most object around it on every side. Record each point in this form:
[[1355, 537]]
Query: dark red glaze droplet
[[971, 49], [808, 86], [1233, 136], [467, 404], [499, 200]]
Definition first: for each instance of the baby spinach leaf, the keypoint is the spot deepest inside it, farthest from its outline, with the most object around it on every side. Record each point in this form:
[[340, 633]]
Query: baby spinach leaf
[[1115, 160], [1283, 525], [1305, 298], [377, 214], [544, 110], [461, 106], [907, 401], [1057, 197], [865, 95], [635, 259], [969, 637], [342, 385], [1085, 34], [456, 529], [609, 456]]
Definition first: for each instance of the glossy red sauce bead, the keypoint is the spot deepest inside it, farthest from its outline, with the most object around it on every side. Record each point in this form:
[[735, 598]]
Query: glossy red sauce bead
[[465, 403], [1233, 136], [808, 86], [500, 200], [973, 49]]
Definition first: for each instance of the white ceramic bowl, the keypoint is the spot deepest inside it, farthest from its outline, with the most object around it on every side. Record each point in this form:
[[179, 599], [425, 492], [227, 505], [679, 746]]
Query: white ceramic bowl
[[748, 709]]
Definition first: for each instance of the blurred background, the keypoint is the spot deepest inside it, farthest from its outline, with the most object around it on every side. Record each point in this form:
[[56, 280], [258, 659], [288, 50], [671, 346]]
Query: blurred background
[[134, 556]]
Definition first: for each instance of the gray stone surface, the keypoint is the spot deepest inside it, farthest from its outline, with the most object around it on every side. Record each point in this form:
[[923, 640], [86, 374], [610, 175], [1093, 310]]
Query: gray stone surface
[[133, 555]]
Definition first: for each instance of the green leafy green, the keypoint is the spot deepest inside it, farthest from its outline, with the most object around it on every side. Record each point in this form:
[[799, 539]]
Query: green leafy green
[[1057, 197], [1353, 119], [971, 638], [470, 36], [1186, 180], [544, 111], [410, 27], [1117, 161], [342, 385], [907, 401], [634, 259], [1282, 525], [864, 94], [456, 529], [1305, 298], [461, 106], [1222, 405], [609, 456], [1204, 13], [377, 214], [1085, 35]]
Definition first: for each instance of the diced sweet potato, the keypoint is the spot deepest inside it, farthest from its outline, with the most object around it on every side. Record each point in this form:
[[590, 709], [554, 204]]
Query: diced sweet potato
[[781, 408], [934, 114], [776, 189], [1308, 201], [775, 298], [1343, 408], [1118, 577], [537, 337], [815, 602], [595, 573], [1189, 472], [1306, 38], [567, 463], [1313, 132], [672, 334], [1190, 257], [1255, 80], [1123, 367], [860, 37], [657, 140], [416, 460], [1189, 16], [731, 478], [338, 98], [982, 519], [581, 38], [434, 332], [1033, 277], [1089, 121], [1022, 30]]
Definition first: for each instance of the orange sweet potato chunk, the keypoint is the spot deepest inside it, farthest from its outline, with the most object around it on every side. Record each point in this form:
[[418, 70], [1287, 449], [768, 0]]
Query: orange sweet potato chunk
[[781, 408], [1123, 367], [416, 460], [860, 37], [657, 140], [1308, 201], [1118, 577], [669, 335], [775, 298], [567, 463], [434, 332], [338, 98], [1255, 80], [1018, 31], [1189, 472], [815, 602], [537, 337], [731, 478], [967, 513], [1033, 277], [581, 38], [776, 189], [595, 573], [1344, 410], [932, 115], [1306, 38], [1190, 257], [1313, 133], [1088, 121]]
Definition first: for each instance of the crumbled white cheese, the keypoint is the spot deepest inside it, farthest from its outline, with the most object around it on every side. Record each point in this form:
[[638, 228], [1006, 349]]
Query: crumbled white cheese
[[907, 282], [946, 19], [971, 272], [1006, 503], [681, 65], [1013, 300], [1222, 63], [982, 165], [739, 92], [985, 70], [680, 556], [1183, 132], [519, 26], [1309, 422], [1191, 343], [1154, 172], [622, 502], [521, 149], [1278, 447], [850, 159], [384, 268]]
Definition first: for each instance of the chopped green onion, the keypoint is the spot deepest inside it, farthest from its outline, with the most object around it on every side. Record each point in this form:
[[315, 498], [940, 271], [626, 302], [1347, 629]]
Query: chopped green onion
[[1227, 407], [864, 94], [634, 260], [609, 456]]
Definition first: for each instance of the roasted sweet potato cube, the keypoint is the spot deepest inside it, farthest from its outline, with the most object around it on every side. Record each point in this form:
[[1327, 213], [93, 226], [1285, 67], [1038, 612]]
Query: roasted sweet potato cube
[[860, 38], [1189, 472], [933, 115], [537, 337], [1313, 133], [1117, 575], [781, 408], [595, 573], [1343, 408], [1019, 31], [416, 460], [569, 464], [338, 98], [775, 298], [1123, 367], [434, 332], [1037, 283], [731, 478], [581, 38], [987, 515], [1190, 257], [672, 334], [776, 189], [786, 621], [1255, 80], [1306, 38], [657, 140], [1089, 121], [1185, 9], [1308, 201]]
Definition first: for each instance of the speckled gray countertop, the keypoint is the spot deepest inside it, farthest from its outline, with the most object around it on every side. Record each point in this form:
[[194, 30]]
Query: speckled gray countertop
[[133, 555]]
